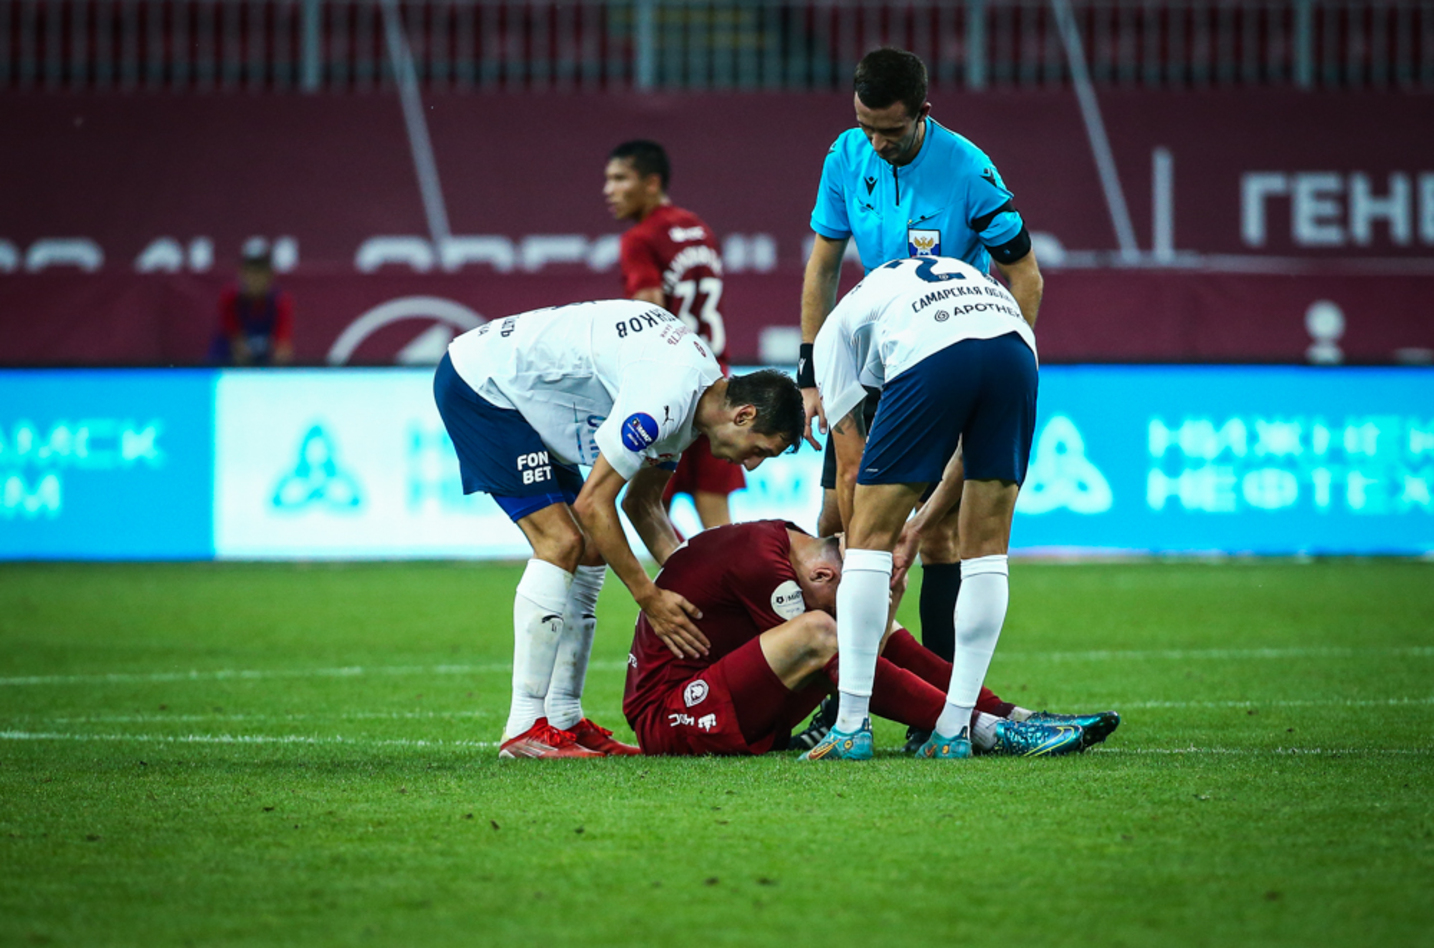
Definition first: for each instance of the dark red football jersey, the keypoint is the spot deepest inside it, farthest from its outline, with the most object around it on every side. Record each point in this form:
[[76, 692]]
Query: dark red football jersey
[[742, 579], [672, 249]]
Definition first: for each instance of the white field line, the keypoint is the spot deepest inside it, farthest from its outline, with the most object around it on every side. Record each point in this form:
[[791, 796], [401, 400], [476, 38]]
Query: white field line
[[481, 713], [355, 671], [1272, 751], [353, 742], [261, 718], [237, 739], [1299, 703], [1179, 654]]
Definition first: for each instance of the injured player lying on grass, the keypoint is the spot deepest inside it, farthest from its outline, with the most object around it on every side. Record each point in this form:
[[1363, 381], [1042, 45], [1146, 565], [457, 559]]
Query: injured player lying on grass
[[767, 593]]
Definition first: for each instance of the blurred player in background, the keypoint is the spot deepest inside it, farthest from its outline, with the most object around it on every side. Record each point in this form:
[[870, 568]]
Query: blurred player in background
[[670, 257], [767, 591], [256, 318], [902, 185], [624, 387]]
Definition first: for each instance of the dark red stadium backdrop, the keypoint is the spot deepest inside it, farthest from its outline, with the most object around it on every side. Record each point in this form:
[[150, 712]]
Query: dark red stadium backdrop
[[124, 215]]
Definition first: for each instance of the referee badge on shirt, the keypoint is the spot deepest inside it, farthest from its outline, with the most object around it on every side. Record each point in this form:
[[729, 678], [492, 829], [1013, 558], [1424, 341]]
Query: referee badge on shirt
[[923, 243]]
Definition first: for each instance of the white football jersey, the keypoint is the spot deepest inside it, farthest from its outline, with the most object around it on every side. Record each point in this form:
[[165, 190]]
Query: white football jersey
[[901, 313], [620, 378]]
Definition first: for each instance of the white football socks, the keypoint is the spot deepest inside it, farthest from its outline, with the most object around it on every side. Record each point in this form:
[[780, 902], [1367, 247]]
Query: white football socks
[[537, 626], [980, 612], [565, 695], [863, 600], [983, 735]]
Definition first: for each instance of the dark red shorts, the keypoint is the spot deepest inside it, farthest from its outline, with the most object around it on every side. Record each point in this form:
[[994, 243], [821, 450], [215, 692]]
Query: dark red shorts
[[738, 706], [698, 470]]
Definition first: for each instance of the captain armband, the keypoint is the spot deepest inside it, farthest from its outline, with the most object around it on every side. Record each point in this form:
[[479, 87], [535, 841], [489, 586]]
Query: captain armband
[[1013, 249]]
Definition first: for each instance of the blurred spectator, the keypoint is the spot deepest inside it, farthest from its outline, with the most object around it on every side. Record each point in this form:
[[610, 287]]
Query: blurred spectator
[[256, 318]]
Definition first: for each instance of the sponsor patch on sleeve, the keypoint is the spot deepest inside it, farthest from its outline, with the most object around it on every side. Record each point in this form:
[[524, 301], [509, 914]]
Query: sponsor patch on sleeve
[[787, 600], [639, 431]]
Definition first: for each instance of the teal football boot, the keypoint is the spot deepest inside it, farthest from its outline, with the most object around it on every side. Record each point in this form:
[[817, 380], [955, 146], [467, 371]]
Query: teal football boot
[[843, 745], [1094, 727], [946, 748], [1030, 739]]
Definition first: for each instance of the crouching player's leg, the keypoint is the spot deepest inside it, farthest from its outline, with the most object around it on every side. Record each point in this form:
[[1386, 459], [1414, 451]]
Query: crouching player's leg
[[740, 704], [499, 453], [1000, 727]]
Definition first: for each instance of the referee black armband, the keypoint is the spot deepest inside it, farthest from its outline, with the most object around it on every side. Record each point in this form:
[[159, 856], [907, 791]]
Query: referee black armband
[[1013, 249], [806, 373]]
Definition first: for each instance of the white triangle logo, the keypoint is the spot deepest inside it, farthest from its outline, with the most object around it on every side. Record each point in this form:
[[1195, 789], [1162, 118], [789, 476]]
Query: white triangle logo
[[1061, 475]]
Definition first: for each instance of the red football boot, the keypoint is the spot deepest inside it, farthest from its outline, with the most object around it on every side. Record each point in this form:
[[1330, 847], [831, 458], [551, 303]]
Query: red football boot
[[544, 740], [595, 737]]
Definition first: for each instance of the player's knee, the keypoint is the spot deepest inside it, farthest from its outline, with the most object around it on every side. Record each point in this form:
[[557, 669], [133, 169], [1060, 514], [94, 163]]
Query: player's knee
[[820, 635], [563, 545], [940, 546]]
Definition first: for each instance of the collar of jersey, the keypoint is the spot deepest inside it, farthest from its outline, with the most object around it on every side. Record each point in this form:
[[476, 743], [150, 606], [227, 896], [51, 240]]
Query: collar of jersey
[[920, 155]]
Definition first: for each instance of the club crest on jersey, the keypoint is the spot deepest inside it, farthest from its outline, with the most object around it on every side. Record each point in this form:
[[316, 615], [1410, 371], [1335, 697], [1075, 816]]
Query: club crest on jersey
[[923, 243], [639, 431], [694, 693]]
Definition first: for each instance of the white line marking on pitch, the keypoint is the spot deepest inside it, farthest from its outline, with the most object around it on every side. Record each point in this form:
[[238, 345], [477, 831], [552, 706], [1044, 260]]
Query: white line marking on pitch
[[237, 739], [1258, 703], [484, 713], [355, 742], [231, 674], [1251, 751]]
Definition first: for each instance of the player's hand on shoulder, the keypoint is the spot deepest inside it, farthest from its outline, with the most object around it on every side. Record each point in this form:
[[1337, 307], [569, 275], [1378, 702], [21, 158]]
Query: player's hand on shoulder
[[672, 619]]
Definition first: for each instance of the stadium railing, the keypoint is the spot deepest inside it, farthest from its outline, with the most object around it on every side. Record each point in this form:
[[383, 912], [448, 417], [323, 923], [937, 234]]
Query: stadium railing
[[701, 45]]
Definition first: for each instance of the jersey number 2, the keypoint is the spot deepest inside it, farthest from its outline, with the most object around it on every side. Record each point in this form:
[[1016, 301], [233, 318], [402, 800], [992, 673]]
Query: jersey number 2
[[925, 270]]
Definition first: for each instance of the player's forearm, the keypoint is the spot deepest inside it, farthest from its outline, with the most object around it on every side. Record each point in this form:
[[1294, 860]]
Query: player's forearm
[[848, 440], [946, 496], [649, 518], [601, 523], [1026, 285], [819, 286]]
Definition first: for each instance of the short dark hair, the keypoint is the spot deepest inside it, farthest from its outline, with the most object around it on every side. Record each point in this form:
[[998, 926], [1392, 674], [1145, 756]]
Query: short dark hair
[[890, 75], [777, 399], [646, 157]]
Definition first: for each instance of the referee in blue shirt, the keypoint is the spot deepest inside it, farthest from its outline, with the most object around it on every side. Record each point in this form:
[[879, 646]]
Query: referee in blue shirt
[[903, 185]]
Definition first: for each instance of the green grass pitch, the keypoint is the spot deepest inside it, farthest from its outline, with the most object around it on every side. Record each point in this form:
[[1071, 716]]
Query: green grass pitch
[[261, 754]]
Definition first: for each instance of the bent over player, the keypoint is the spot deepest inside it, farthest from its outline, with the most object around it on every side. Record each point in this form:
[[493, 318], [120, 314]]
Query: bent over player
[[955, 359], [670, 257], [766, 591], [624, 387]]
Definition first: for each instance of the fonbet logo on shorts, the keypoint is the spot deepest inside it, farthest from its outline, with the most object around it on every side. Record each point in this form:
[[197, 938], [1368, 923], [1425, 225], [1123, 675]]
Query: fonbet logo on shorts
[[535, 467], [695, 692], [787, 600], [639, 431]]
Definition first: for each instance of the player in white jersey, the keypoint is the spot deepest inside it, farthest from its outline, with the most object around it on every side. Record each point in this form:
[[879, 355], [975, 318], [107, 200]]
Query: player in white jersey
[[621, 386], [955, 361]]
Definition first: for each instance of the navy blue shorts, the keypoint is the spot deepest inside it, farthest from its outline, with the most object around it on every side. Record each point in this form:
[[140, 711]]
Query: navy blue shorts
[[978, 392], [499, 453]]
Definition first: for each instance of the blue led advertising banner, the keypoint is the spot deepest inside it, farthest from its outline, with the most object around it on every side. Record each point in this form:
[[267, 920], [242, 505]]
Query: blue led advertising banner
[[341, 464], [106, 464]]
